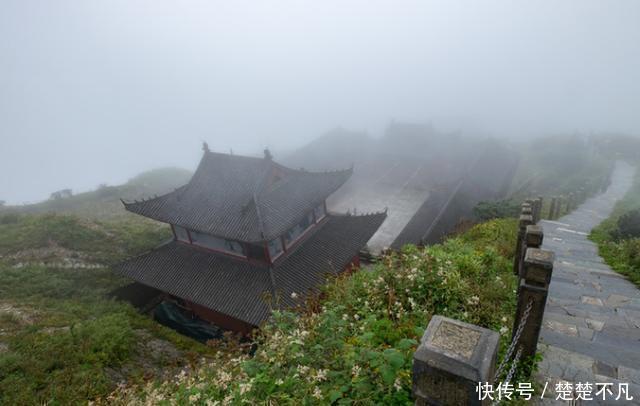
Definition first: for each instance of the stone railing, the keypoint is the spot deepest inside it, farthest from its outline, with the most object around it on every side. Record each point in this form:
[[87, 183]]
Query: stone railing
[[454, 358], [560, 205]]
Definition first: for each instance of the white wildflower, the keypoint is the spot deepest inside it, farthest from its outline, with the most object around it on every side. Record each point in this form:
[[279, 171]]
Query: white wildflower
[[397, 384], [244, 388], [294, 295], [317, 393], [355, 371], [473, 300], [503, 330], [321, 375], [412, 303], [302, 369], [223, 379]]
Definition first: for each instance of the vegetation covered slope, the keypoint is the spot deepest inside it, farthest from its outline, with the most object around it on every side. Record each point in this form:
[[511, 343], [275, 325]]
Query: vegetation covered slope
[[618, 237], [104, 202], [355, 344], [62, 340]]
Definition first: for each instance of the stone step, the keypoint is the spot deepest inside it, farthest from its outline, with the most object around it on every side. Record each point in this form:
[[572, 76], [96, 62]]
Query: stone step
[[607, 353]]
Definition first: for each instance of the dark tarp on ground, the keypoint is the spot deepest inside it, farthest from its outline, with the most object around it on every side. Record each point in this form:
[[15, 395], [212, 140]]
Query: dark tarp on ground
[[137, 294], [172, 316]]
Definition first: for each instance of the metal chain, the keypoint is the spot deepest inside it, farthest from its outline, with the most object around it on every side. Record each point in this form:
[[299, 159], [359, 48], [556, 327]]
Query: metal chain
[[516, 338], [512, 371], [514, 366]]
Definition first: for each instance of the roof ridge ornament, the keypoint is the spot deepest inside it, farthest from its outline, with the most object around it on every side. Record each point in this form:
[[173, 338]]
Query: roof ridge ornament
[[205, 146], [267, 155]]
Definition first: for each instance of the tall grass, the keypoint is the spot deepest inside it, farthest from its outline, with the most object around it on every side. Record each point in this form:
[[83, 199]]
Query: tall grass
[[622, 254]]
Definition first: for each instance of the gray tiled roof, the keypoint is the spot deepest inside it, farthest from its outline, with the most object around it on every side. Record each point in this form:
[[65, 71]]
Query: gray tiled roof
[[237, 288], [242, 198]]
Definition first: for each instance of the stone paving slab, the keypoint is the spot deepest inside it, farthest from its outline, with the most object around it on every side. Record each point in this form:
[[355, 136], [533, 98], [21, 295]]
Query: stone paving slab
[[591, 327]]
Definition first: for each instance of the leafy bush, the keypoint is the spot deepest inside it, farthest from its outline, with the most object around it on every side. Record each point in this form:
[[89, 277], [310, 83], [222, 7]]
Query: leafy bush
[[44, 365], [629, 225], [73, 338], [9, 218], [623, 256], [494, 210]]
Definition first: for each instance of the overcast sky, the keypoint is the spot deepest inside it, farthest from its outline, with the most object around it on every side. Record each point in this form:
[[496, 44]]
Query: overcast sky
[[97, 91]]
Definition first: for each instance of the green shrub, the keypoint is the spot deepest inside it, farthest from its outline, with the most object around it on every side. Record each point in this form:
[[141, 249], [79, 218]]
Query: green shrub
[[64, 366], [9, 218], [629, 225], [493, 210]]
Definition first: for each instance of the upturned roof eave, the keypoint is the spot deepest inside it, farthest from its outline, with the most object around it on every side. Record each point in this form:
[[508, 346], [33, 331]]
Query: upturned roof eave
[[170, 207]]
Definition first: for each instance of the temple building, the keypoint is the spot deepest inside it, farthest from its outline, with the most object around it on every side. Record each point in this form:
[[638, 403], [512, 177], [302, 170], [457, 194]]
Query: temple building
[[249, 235]]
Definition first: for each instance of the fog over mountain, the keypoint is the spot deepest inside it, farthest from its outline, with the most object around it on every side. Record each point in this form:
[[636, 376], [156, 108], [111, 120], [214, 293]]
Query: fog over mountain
[[98, 91]]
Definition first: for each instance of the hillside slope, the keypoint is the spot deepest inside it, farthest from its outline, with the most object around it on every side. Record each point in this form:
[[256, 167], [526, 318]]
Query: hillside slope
[[62, 339], [104, 202]]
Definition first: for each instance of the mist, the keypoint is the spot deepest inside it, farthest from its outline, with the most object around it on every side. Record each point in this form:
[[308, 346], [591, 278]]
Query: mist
[[95, 92]]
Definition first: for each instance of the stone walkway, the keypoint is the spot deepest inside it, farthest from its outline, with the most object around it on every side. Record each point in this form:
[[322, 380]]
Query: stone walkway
[[591, 330]]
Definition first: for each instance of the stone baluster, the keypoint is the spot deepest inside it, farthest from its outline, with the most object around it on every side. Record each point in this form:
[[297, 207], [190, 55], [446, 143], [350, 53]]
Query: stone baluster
[[453, 357], [552, 208], [540, 203], [559, 202], [525, 220], [532, 298]]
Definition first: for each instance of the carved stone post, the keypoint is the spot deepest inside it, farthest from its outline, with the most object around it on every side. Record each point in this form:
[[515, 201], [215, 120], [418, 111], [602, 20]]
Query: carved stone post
[[540, 204], [532, 298], [558, 207], [533, 237], [552, 208], [453, 357], [525, 220]]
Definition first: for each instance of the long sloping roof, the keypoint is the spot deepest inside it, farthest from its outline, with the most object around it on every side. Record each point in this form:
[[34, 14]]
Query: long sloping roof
[[237, 288], [242, 198]]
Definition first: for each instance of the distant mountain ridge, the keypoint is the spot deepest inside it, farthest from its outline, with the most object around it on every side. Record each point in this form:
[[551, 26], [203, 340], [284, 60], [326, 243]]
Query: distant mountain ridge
[[104, 202]]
